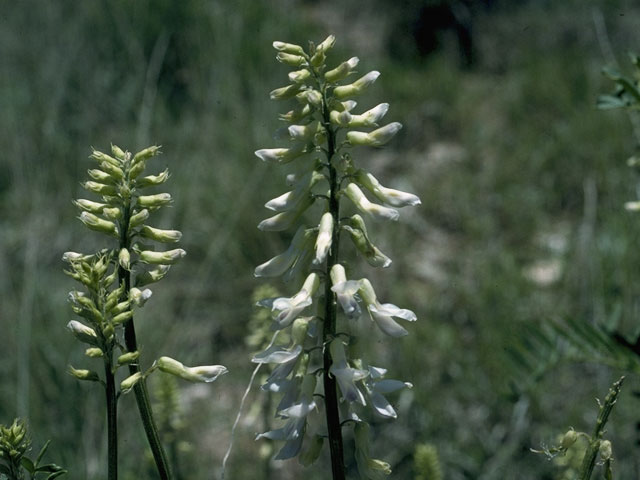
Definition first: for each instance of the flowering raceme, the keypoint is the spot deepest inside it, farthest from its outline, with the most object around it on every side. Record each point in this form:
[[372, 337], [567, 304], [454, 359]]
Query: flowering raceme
[[323, 131]]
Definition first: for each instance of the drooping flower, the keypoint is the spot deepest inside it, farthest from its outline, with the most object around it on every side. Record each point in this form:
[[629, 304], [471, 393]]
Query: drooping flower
[[383, 314]]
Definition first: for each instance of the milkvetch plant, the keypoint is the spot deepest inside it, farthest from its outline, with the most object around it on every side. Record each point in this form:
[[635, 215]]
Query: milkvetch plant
[[114, 282], [324, 383]]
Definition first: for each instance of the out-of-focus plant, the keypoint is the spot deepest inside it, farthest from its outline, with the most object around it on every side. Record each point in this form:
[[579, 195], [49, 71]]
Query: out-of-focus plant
[[597, 445], [14, 445], [426, 462], [323, 130], [114, 282]]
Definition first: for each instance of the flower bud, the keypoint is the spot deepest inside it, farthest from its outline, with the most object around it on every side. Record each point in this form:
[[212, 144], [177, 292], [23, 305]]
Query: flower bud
[[82, 374], [152, 275], [291, 60], [137, 169], [117, 152], [113, 170], [70, 257], [139, 297], [312, 97], [299, 330], [99, 188], [94, 352], [98, 224], [159, 235], [104, 158], [569, 439], [124, 259], [357, 87], [119, 308], [323, 241], [288, 48], [153, 201], [206, 373], [299, 76], [297, 114], [632, 206], [162, 258], [605, 450], [153, 180], [129, 357], [145, 154], [113, 213], [128, 383], [122, 317], [138, 218], [342, 70], [100, 176], [327, 44], [376, 138], [284, 93]]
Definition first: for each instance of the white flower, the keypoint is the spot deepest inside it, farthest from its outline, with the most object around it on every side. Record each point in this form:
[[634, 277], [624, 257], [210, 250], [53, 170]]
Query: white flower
[[284, 220], [277, 354], [303, 132], [323, 241], [291, 200], [383, 314], [342, 70], [345, 375], [139, 297], [395, 198], [162, 258], [290, 308], [377, 386], [364, 205], [370, 118], [357, 87], [376, 138], [204, 373], [345, 291], [280, 155], [358, 232], [279, 264], [82, 332], [296, 415]]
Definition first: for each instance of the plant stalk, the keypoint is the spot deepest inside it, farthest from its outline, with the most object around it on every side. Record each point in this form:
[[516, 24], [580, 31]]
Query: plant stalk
[[330, 311], [140, 388], [590, 456], [112, 418]]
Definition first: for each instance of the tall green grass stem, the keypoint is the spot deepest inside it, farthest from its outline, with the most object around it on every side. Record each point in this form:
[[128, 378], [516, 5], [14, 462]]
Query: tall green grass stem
[[140, 389], [589, 460], [112, 417]]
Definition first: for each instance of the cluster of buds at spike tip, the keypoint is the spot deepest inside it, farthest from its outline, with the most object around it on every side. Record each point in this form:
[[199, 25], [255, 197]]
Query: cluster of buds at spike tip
[[323, 132], [124, 209]]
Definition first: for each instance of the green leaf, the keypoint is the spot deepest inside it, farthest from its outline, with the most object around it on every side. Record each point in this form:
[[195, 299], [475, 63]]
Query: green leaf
[[42, 450], [28, 465], [56, 474], [49, 468]]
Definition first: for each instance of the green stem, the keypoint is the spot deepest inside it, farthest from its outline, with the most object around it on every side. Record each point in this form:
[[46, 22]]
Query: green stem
[[140, 389], [112, 418], [329, 324], [590, 456]]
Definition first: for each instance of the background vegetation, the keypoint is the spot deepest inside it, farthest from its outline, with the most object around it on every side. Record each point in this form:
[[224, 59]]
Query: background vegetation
[[522, 182]]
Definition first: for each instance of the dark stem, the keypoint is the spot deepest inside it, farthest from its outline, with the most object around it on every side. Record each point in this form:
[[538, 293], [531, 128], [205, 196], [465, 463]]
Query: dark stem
[[590, 456], [329, 324], [140, 389], [112, 418]]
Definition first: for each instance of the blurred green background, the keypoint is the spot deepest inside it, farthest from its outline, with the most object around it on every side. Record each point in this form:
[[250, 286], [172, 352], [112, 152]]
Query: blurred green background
[[522, 180]]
